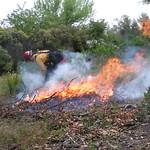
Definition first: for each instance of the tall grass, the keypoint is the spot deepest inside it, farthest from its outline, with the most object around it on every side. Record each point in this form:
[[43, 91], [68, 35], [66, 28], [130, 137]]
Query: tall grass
[[9, 83]]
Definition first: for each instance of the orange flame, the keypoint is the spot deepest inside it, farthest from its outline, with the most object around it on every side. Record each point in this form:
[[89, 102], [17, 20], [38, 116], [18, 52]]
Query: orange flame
[[145, 24], [103, 84]]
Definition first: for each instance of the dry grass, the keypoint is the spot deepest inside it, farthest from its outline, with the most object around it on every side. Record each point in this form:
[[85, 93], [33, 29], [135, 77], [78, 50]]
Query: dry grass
[[109, 126], [22, 134]]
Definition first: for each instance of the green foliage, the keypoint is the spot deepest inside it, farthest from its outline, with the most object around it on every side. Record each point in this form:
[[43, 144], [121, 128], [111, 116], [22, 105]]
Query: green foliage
[[66, 12], [103, 42], [79, 39], [5, 37], [43, 39], [25, 20], [114, 39], [12, 81], [49, 39], [76, 11], [61, 24], [107, 45], [127, 27], [14, 42], [59, 38], [103, 49], [50, 13], [96, 29], [5, 61], [9, 83], [139, 41]]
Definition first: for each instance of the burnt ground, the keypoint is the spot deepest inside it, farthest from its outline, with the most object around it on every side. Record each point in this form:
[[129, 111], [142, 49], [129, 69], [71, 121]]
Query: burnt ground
[[109, 126]]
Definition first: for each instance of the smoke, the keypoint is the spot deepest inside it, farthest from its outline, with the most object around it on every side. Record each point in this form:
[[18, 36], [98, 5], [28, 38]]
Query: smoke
[[31, 77], [77, 66], [134, 85], [135, 88], [131, 86]]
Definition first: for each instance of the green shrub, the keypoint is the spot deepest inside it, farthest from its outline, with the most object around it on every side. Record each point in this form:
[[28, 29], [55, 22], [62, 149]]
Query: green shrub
[[9, 83], [103, 49], [139, 41], [5, 63]]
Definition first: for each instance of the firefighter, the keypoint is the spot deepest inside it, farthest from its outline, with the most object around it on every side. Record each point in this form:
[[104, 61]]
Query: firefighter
[[47, 60]]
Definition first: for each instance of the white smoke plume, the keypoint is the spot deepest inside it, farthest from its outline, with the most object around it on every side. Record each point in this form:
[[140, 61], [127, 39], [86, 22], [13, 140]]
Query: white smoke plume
[[31, 79], [76, 66], [136, 86]]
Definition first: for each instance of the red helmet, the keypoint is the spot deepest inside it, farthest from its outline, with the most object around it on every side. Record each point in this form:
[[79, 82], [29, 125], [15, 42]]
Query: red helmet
[[27, 55]]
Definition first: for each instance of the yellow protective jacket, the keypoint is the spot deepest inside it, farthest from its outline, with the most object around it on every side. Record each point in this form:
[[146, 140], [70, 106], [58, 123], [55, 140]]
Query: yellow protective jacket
[[40, 58]]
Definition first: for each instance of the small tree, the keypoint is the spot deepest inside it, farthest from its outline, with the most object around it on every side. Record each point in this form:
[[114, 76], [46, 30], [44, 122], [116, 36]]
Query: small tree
[[97, 29], [50, 13], [24, 20], [76, 11], [67, 12]]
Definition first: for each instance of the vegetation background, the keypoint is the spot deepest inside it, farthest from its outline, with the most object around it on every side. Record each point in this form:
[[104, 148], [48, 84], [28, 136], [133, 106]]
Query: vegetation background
[[64, 24], [69, 24]]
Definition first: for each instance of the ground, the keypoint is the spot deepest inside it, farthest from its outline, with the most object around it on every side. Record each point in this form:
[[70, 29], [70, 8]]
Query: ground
[[110, 126]]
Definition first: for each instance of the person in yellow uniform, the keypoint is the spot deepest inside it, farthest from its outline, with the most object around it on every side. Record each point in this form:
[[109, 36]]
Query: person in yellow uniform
[[47, 60]]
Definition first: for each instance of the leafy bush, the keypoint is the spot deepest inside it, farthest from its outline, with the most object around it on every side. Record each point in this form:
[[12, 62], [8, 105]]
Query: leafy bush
[[58, 38], [103, 49], [96, 29], [9, 83], [5, 61], [139, 41], [5, 37]]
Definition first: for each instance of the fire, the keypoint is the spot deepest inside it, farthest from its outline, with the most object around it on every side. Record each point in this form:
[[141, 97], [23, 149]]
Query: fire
[[102, 85], [146, 27]]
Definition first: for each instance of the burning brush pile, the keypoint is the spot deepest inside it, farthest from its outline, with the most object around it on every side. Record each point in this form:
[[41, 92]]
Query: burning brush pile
[[71, 86]]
